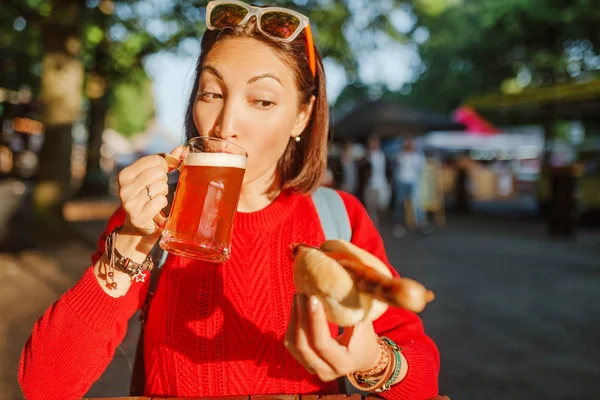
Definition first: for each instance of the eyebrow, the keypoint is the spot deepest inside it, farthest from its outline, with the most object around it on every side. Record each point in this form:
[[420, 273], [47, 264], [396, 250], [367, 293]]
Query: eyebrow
[[264, 76], [213, 71], [216, 73]]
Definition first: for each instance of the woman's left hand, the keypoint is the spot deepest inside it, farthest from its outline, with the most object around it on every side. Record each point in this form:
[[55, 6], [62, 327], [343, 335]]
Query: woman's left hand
[[309, 340]]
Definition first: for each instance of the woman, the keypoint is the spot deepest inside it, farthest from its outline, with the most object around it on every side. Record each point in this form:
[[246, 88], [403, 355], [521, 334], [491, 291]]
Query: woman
[[409, 167], [236, 328], [377, 188]]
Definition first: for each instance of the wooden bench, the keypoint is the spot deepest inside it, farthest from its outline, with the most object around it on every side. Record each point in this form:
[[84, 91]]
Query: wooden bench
[[261, 397]]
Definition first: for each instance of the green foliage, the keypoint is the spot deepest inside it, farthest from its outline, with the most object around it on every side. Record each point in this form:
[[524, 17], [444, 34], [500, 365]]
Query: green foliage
[[479, 46], [474, 46], [117, 35], [132, 106], [20, 52], [93, 35]]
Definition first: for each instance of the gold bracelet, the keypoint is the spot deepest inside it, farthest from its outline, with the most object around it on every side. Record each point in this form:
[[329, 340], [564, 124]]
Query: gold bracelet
[[381, 364], [384, 381], [372, 384]]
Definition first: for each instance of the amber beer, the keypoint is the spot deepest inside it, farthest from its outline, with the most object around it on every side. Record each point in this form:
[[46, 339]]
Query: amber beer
[[205, 203]]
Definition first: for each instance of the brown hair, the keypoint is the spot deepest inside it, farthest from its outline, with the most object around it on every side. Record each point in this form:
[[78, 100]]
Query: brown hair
[[302, 166]]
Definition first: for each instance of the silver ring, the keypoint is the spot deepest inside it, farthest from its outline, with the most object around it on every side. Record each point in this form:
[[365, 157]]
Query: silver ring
[[149, 192]]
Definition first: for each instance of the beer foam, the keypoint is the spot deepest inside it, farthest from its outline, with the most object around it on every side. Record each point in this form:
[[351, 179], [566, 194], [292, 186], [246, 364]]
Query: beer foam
[[215, 160]]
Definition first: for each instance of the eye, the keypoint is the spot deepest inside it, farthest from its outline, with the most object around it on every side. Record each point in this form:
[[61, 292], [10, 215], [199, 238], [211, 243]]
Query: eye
[[265, 104], [210, 96]]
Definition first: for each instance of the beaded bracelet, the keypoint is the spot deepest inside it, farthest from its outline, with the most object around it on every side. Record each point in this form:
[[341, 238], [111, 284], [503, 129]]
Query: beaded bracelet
[[397, 365], [122, 263], [384, 381]]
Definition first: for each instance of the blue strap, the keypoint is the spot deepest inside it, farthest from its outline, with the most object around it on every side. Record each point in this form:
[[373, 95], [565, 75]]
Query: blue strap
[[332, 213], [336, 225]]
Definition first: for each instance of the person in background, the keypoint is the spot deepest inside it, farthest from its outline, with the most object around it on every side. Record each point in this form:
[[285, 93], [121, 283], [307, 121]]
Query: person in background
[[349, 178], [409, 166], [363, 168], [462, 192], [377, 188], [504, 178]]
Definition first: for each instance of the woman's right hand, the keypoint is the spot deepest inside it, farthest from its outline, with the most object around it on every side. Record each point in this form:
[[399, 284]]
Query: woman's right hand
[[143, 190], [139, 233]]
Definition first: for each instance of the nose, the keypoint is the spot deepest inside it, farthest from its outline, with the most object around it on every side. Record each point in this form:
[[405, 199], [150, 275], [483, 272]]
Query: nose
[[227, 123]]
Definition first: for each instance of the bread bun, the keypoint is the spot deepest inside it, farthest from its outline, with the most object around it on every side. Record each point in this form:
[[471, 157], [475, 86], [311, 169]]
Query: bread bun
[[353, 284]]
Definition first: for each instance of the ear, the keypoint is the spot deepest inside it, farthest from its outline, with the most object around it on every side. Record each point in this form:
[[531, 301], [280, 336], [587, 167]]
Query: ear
[[303, 117]]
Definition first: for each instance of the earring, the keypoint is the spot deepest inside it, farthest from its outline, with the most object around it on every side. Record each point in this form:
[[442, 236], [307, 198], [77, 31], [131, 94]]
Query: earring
[[297, 139]]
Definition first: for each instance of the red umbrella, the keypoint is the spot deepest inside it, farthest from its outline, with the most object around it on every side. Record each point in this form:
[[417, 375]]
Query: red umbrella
[[473, 122]]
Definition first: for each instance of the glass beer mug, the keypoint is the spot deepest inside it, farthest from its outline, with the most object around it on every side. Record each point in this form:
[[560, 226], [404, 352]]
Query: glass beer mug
[[206, 199]]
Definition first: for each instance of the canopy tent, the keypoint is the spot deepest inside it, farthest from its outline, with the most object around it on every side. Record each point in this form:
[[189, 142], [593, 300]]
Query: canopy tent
[[503, 142], [545, 106], [389, 119], [474, 123], [568, 101]]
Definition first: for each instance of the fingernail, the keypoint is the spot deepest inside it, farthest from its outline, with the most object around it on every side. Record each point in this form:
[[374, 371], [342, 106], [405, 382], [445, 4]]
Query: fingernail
[[314, 303]]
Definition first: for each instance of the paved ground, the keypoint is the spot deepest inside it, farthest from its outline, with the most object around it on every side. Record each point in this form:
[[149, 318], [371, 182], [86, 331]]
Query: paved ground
[[515, 315], [31, 281]]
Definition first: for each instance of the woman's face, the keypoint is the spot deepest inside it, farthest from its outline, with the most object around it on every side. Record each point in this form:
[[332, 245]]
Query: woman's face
[[248, 96]]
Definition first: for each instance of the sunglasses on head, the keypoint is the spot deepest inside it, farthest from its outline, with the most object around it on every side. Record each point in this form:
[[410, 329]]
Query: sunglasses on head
[[277, 23]]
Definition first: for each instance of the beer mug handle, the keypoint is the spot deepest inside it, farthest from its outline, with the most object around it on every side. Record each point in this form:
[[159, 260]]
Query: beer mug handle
[[174, 163]]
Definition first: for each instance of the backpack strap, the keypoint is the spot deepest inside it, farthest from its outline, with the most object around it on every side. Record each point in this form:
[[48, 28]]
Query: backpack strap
[[332, 213], [336, 225]]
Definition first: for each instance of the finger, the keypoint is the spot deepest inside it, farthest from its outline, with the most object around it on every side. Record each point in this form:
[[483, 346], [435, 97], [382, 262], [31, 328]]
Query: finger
[[321, 341], [144, 220], [146, 178], [290, 336], [140, 215], [175, 157], [159, 188], [153, 207], [156, 189], [321, 367], [179, 152], [145, 163]]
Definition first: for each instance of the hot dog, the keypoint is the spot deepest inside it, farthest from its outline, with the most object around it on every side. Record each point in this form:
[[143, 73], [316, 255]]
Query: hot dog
[[353, 284]]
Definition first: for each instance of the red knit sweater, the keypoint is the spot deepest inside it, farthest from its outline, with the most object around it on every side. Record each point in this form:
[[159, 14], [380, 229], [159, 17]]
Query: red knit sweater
[[213, 330]]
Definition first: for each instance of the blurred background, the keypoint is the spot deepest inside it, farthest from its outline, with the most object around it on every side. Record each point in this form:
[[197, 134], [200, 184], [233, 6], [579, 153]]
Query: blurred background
[[498, 101]]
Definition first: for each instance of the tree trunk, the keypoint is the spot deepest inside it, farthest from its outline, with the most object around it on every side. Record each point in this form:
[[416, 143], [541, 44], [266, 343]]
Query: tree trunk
[[95, 182], [54, 178], [61, 90]]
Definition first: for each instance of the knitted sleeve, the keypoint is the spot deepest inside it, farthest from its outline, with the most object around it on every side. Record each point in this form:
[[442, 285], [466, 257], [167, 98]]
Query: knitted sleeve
[[402, 326], [74, 341]]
